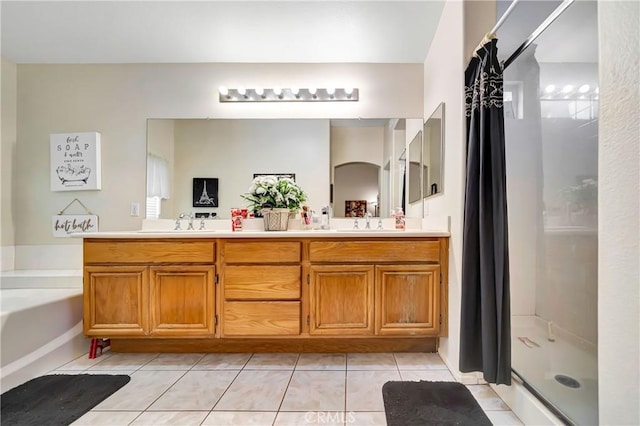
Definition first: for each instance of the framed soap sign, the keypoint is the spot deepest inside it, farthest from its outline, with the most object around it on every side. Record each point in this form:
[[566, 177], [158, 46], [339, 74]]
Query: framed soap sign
[[75, 161]]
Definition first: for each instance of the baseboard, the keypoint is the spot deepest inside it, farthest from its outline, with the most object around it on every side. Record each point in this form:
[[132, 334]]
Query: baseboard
[[464, 378]]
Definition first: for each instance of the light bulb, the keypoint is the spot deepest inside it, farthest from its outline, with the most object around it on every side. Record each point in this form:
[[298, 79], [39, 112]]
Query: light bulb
[[259, 91], [331, 91], [567, 89], [223, 91], [584, 88], [550, 88], [348, 91], [277, 91], [313, 91], [597, 90], [241, 91], [295, 91]]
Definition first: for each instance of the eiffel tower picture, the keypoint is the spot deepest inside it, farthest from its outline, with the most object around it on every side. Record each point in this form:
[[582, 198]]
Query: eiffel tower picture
[[205, 192]]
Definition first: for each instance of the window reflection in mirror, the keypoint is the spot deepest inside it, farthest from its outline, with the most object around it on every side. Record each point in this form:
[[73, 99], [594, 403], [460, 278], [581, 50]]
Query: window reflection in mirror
[[433, 153], [320, 152]]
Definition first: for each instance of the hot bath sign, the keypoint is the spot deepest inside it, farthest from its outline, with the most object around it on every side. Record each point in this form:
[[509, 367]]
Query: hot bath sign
[[75, 161]]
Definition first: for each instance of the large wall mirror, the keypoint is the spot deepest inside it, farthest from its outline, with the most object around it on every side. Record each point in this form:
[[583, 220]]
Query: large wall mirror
[[343, 162], [433, 153]]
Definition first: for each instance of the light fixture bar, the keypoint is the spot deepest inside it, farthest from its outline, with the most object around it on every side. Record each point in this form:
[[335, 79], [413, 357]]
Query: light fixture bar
[[288, 95]]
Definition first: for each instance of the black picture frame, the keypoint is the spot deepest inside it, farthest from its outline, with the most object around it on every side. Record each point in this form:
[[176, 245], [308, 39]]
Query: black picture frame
[[205, 192]]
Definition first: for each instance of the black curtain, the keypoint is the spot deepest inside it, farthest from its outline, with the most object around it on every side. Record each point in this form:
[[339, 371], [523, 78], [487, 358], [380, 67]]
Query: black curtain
[[485, 324]]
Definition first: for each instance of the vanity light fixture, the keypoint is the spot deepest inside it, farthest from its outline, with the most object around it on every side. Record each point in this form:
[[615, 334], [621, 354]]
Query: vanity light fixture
[[293, 94]]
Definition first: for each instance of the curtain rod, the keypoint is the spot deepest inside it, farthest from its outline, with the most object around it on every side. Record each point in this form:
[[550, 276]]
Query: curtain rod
[[534, 35], [504, 16]]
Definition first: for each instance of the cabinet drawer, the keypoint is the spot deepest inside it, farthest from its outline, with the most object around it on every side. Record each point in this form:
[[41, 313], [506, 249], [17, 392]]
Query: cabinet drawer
[[269, 282], [149, 252], [262, 252], [374, 251], [261, 318]]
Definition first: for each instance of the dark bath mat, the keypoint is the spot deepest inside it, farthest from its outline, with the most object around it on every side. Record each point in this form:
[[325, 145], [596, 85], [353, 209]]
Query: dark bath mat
[[57, 399], [431, 403]]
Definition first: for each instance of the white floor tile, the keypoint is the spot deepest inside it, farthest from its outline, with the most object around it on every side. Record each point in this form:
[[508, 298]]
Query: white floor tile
[[124, 361], [371, 361], [173, 418], [419, 361], [487, 398], [173, 362], [428, 375], [196, 390], [357, 418], [239, 418], [255, 390], [315, 391], [231, 361], [364, 389], [144, 388], [106, 418], [316, 418], [268, 361]]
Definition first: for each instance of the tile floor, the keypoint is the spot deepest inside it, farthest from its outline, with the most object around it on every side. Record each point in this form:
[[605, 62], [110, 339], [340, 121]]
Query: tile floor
[[262, 389]]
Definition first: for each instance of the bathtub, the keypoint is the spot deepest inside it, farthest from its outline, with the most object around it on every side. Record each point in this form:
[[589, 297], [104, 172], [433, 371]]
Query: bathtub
[[41, 330]]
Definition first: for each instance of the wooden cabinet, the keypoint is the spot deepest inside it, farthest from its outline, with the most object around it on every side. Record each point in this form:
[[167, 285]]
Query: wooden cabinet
[[261, 288], [341, 300], [116, 300], [407, 300], [315, 293], [171, 295], [181, 300]]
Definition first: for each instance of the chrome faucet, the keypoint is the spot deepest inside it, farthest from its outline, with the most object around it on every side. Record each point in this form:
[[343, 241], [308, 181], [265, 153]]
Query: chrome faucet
[[202, 227], [368, 221], [380, 228], [355, 223], [177, 227], [190, 227]]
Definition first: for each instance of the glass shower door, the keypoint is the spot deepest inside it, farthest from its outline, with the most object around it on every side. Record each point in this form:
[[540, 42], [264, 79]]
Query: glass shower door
[[551, 133]]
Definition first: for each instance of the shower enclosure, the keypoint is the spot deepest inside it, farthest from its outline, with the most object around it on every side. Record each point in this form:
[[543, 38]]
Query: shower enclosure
[[551, 134]]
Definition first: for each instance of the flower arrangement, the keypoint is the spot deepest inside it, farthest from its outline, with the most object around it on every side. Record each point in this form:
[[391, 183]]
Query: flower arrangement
[[273, 192]]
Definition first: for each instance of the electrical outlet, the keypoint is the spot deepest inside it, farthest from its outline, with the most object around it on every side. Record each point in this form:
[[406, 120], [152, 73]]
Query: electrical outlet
[[135, 209]]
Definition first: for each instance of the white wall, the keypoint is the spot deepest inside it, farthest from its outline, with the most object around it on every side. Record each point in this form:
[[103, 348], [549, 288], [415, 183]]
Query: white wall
[[116, 100], [618, 208], [444, 82], [233, 150], [8, 75]]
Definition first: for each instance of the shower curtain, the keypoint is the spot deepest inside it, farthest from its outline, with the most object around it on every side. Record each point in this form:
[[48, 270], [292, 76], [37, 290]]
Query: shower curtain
[[485, 324]]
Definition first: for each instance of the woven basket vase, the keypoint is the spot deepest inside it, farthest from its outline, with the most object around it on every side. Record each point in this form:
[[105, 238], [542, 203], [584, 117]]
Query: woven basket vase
[[275, 219]]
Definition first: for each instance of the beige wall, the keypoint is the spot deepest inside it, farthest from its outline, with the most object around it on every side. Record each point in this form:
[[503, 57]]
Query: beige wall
[[116, 100], [618, 211], [8, 124]]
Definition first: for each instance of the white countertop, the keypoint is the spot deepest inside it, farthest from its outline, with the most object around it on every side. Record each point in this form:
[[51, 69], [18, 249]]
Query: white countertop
[[254, 228], [332, 233]]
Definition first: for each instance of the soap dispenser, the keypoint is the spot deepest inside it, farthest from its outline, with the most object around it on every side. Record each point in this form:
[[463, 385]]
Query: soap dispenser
[[324, 218]]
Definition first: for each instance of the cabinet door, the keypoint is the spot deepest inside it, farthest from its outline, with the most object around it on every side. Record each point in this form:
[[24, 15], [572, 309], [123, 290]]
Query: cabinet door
[[116, 300], [182, 300], [341, 299], [407, 300]]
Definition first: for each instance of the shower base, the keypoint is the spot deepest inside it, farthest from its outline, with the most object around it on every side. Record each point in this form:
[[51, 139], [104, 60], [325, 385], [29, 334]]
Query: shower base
[[567, 356]]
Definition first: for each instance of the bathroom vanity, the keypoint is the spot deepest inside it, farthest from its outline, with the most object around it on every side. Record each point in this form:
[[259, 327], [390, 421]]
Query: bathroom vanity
[[266, 291]]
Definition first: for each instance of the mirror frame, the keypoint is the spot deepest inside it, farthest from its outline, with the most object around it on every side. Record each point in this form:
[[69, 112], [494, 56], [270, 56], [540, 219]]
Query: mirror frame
[[416, 144], [426, 193]]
